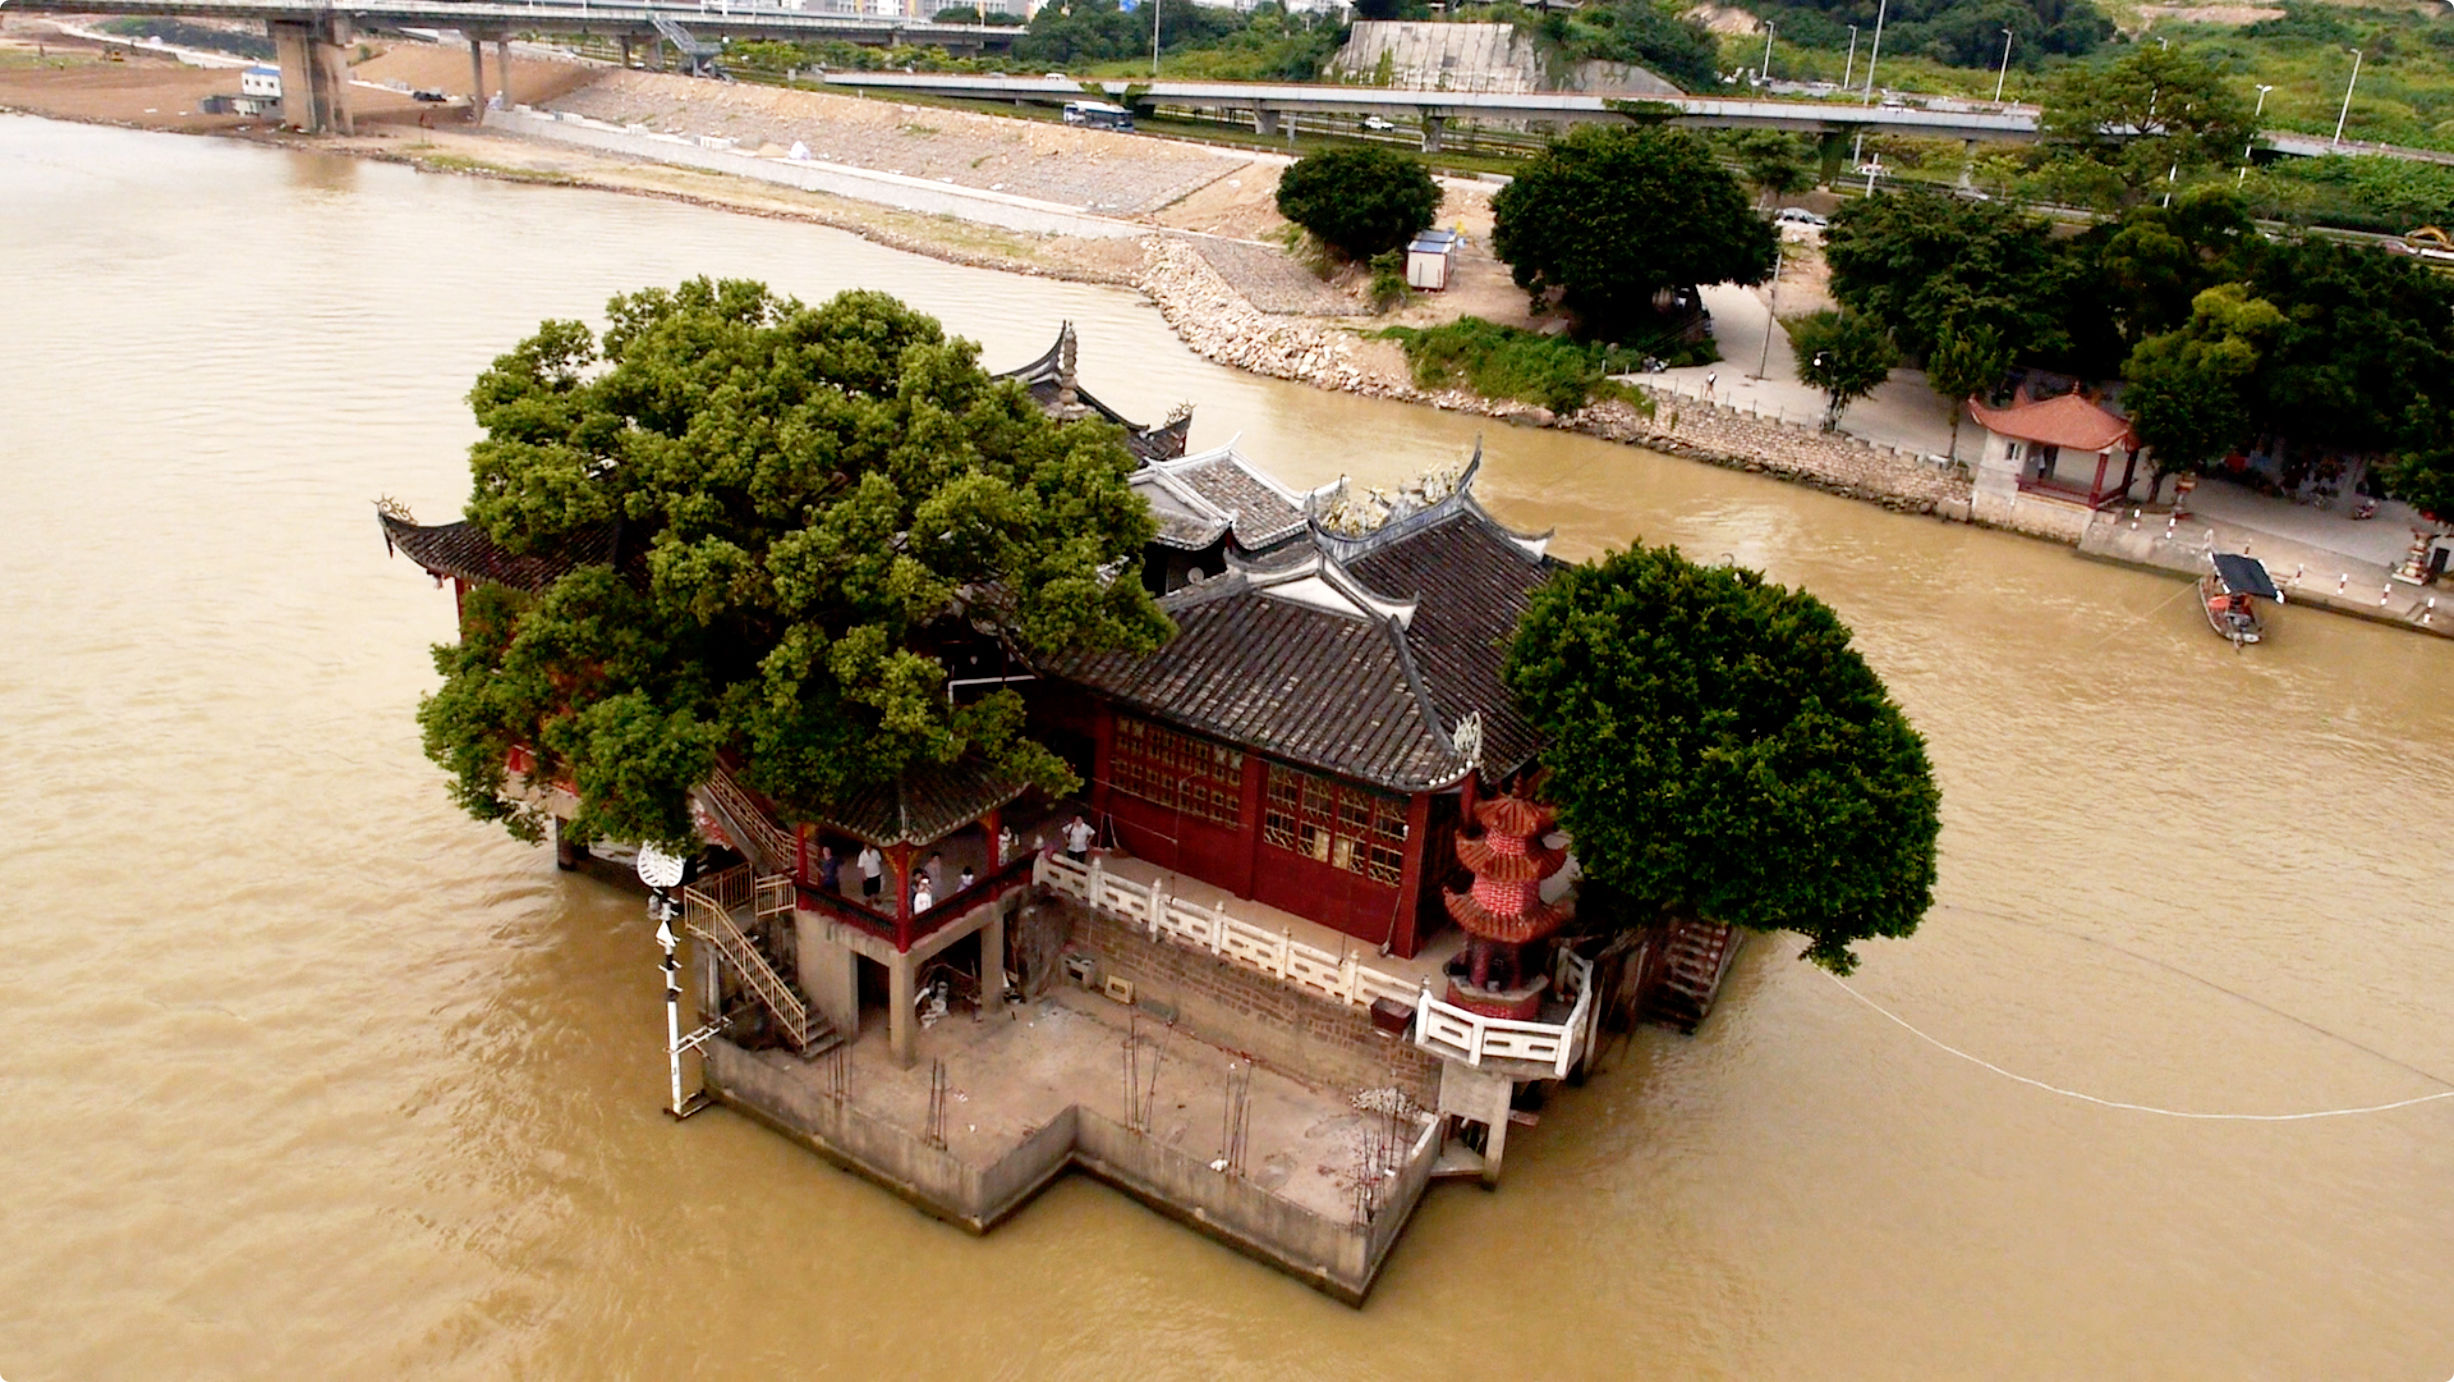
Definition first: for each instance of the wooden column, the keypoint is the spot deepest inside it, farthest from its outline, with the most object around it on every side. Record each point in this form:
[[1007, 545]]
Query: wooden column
[[899, 876], [1410, 884], [1256, 801], [992, 823]]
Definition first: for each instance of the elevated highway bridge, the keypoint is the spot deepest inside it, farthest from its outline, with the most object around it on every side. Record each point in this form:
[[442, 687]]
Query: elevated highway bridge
[[310, 37]]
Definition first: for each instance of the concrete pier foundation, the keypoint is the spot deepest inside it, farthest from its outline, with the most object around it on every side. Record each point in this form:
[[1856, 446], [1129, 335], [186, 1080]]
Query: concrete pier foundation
[[1432, 125], [1265, 123], [314, 62]]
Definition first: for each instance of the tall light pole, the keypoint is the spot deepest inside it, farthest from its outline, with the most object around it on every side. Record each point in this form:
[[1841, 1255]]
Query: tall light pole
[[2347, 98], [1769, 29], [2251, 146], [1849, 66], [1772, 318], [2005, 73], [1875, 52]]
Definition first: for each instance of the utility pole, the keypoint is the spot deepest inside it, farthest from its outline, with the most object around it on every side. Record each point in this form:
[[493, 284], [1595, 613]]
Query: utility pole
[[1769, 29], [1849, 65], [2347, 98], [1154, 39], [1772, 319], [2005, 73], [1875, 52]]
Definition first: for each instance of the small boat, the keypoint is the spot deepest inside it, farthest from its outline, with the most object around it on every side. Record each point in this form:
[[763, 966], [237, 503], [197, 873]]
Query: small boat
[[2230, 593]]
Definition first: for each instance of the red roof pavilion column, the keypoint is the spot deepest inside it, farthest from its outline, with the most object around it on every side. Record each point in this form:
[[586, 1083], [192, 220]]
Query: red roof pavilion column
[[1103, 749], [1403, 942], [990, 823], [800, 854], [2096, 487], [899, 869]]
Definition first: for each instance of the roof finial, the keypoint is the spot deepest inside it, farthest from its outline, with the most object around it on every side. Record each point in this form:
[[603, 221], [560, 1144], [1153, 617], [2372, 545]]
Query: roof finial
[[1069, 401]]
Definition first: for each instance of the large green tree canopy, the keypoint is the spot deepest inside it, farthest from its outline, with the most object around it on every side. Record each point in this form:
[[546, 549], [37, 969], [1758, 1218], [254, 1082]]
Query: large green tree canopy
[[1609, 216], [1362, 201], [823, 502], [1716, 747]]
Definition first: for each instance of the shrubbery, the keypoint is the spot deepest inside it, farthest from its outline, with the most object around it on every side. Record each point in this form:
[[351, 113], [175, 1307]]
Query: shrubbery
[[1360, 201]]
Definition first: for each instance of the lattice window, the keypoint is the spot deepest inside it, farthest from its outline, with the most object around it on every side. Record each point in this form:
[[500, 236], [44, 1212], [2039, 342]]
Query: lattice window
[[1345, 827], [1178, 771]]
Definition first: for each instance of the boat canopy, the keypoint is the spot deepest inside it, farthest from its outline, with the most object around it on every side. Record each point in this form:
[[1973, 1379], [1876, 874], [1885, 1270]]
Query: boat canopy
[[2245, 576]]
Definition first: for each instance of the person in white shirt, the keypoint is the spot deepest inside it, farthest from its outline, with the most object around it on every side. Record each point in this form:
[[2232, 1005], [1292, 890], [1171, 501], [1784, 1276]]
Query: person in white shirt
[[921, 900], [1078, 837], [873, 868]]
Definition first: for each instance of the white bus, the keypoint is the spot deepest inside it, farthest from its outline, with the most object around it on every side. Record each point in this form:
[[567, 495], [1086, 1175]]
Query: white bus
[[1098, 115]]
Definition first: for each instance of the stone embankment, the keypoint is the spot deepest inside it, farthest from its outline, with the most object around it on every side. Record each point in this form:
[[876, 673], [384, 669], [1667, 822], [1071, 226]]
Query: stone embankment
[[1220, 325]]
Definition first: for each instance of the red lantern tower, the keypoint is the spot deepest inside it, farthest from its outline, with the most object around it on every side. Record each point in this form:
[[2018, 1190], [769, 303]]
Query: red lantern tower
[[1503, 913]]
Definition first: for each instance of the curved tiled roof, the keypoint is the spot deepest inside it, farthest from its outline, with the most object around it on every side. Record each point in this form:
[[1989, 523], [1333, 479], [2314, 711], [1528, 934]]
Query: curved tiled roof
[[2067, 421], [464, 550], [1364, 668], [1198, 499], [1052, 374]]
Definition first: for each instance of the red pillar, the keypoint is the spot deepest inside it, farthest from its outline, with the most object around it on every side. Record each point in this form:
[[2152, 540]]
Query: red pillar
[[800, 854], [992, 823], [2096, 487], [1103, 748], [899, 877], [1255, 801], [1402, 940]]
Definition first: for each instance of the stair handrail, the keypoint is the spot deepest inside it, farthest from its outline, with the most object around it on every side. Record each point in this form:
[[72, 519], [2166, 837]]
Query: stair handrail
[[711, 923]]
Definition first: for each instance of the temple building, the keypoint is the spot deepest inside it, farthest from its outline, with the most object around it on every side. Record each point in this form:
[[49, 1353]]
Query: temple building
[[1314, 848]]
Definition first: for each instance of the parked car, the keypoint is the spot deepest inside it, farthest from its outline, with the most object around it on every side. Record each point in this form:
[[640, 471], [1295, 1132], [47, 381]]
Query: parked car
[[1378, 125], [1800, 216]]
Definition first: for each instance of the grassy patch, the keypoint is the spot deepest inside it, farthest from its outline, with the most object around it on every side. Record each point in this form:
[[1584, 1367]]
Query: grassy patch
[[459, 163], [1497, 361]]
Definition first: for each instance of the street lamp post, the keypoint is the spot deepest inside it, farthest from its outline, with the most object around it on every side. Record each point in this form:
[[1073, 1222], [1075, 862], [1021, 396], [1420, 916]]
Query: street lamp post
[[1849, 65], [1770, 29], [1154, 38], [2347, 98], [2005, 73], [1875, 51], [2251, 146]]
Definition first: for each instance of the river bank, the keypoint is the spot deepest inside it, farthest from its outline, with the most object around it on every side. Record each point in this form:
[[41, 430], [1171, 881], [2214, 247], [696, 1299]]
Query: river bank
[[1191, 227]]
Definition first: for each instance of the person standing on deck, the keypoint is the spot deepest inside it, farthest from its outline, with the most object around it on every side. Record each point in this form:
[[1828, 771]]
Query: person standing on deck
[[1078, 837], [830, 870], [871, 865]]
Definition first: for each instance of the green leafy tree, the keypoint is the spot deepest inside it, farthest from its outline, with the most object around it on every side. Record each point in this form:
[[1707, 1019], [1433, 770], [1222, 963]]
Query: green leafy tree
[[2148, 117], [1915, 259], [1360, 201], [1967, 362], [1642, 34], [816, 506], [1775, 163], [2190, 390], [2162, 258], [1718, 749], [1609, 217], [1845, 354]]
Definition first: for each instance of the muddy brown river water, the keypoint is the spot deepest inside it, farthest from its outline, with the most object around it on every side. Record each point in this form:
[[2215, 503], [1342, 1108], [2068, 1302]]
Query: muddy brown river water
[[307, 1075]]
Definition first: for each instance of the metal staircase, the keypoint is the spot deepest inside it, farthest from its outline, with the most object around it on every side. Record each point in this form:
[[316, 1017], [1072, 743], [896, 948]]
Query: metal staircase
[[708, 919], [698, 55], [1698, 953]]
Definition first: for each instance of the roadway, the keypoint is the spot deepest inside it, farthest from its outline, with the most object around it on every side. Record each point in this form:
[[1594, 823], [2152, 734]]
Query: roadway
[[1267, 101], [613, 17]]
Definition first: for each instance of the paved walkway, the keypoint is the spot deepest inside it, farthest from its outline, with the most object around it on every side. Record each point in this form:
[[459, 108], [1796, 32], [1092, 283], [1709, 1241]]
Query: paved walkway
[[1905, 414]]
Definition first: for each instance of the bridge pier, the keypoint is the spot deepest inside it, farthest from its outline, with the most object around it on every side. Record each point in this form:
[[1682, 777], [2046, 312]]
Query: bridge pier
[[502, 65], [314, 73], [477, 79], [1265, 122], [1432, 125], [626, 52]]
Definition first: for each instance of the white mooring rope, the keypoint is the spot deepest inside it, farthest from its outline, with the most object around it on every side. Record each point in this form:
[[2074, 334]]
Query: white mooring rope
[[2116, 1103]]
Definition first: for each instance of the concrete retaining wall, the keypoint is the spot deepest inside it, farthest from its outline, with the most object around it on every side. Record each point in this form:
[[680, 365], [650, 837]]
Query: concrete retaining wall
[[860, 184], [1310, 1039], [1338, 1257]]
